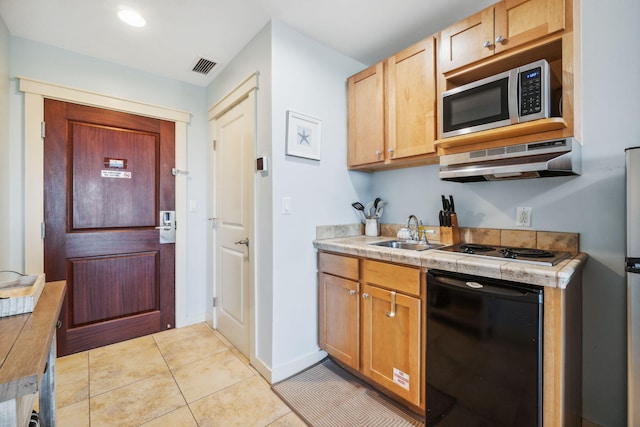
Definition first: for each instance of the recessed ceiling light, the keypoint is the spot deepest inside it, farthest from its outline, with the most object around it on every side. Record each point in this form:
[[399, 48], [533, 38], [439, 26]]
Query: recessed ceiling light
[[132, 17]]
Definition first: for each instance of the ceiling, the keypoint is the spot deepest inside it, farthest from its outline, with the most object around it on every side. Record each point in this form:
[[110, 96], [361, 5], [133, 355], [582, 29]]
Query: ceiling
[[179, 32]]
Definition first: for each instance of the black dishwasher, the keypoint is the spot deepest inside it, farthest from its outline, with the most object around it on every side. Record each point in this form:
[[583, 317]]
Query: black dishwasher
[[484, 351]]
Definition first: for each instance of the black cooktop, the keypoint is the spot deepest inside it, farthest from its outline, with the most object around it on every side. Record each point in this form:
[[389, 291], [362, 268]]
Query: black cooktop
[[526, 255]]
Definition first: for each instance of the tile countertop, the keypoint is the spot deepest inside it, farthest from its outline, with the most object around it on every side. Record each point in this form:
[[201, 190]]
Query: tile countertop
[[557, 276]]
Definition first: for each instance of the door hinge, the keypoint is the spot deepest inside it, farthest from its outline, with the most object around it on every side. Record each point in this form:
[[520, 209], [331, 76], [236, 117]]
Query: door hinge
[[214, 301], [214, 145], [42, 230], [43, 129]]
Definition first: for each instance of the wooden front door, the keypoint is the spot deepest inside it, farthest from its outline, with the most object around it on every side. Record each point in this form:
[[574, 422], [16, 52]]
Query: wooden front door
[[107, 176]]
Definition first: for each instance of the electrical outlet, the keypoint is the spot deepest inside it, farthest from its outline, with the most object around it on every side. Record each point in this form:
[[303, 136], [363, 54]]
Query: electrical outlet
[[523, 217]]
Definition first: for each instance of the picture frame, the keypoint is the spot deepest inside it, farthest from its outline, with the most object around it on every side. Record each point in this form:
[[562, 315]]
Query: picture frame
[[303, 136]]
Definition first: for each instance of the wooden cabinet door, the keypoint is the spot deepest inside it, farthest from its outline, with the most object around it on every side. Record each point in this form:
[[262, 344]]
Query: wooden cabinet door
[[505, 25], [366, 116], [338, 318], [521, 21], [467, 41], [411, 101], [391, 343]]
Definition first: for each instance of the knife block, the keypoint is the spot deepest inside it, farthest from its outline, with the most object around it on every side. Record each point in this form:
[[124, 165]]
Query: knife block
[[449, 235]]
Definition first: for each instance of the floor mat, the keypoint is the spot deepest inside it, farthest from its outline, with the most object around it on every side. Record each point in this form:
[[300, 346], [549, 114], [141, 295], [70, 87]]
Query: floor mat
[[326, 395]]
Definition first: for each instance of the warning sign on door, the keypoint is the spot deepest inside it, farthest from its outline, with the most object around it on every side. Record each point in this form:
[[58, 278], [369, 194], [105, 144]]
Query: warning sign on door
[[401, 378], [116, 174]]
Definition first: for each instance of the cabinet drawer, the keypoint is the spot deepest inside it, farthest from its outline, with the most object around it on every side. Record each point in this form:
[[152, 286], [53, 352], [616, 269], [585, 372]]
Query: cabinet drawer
[[338, 265], [391, 276]]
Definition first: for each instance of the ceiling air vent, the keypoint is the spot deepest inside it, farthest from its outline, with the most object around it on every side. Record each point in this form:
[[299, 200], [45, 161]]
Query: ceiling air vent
[[204, 66]]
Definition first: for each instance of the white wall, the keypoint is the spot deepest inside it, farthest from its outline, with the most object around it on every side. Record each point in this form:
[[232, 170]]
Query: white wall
[[300, 74], [592, 204], [5, 259], [308, 78], [53, 65]]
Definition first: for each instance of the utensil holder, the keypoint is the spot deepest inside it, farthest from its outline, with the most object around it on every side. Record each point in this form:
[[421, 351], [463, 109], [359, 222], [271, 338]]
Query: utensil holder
[[372, 227], [449, 235]]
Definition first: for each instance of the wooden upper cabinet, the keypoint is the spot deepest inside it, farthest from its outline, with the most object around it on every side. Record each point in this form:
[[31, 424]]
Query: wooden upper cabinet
[[392, 110], [411, 101], [503, 26], [465, 41], [521, 21], [366, 116]]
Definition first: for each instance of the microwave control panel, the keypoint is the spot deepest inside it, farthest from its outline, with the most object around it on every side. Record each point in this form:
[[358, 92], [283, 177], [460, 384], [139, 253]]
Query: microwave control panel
[[530, 91]]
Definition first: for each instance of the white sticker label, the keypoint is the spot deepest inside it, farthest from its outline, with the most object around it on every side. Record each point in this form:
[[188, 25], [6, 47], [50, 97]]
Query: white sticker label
[[116, 174], [401, 378]]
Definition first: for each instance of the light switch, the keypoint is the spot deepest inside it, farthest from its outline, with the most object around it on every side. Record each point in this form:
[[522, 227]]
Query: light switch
[[193, 205], [286, 205]]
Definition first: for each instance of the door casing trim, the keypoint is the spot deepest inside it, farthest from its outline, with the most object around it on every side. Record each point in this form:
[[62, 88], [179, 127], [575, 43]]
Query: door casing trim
[[35, 91]]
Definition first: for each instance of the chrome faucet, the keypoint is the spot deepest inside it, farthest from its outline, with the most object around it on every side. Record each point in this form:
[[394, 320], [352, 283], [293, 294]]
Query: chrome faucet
[[414, 232], [423, 237]]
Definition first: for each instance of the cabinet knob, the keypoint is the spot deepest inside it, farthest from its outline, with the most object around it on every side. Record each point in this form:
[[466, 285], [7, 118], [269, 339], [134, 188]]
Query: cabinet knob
[[390, 152], [352, 292], [365, 295], [378, 152], [500, 40], [487, 44]]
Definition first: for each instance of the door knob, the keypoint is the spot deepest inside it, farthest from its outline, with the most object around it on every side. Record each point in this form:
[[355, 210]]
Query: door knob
[[243, 242], [167, 226]]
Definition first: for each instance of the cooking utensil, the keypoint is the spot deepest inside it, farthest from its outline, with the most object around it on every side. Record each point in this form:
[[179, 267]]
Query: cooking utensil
[[453, 217], [368, 209], [445, 203], [447, 210], [359, 207], [379, 208]]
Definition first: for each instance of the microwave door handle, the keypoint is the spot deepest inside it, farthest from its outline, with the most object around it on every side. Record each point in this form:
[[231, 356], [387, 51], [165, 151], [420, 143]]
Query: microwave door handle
[[514, 95]]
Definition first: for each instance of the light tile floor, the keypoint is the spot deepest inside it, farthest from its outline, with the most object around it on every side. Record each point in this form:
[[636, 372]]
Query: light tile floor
[[183, 377]]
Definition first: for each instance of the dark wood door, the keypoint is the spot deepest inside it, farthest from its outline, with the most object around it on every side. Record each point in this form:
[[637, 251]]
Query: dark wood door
[[107, 177]]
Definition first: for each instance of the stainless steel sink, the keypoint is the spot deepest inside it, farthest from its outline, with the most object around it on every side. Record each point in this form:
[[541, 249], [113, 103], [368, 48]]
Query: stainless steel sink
[[402, 244]]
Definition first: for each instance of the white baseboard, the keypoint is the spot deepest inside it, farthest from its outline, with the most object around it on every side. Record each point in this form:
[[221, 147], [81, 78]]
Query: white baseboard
[[291, 368], [192, 320], [262, 369]]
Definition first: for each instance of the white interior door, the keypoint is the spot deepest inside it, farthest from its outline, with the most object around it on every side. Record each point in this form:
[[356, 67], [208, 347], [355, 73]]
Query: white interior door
[[234, 136]]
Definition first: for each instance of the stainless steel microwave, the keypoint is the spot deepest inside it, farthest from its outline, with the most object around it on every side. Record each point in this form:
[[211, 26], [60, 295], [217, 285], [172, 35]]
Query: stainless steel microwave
[[518, 95]]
